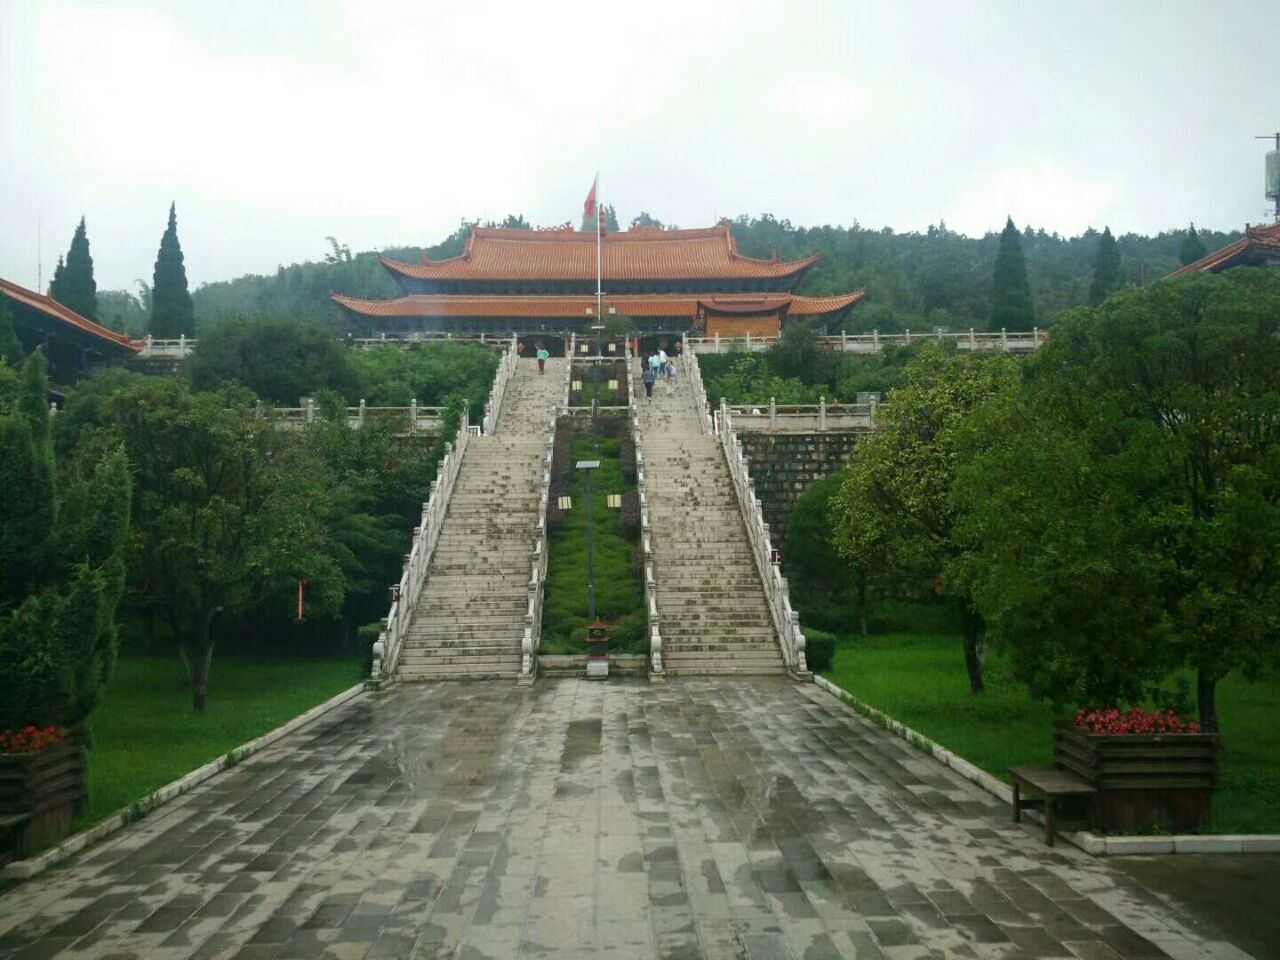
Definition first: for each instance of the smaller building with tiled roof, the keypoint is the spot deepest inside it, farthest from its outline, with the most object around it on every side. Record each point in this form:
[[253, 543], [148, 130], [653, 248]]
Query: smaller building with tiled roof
[[72, 343], [534, 281], [1259, 247]]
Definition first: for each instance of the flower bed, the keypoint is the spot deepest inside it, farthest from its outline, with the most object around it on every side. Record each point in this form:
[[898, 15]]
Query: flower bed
[[42, 777], [1152, 771]]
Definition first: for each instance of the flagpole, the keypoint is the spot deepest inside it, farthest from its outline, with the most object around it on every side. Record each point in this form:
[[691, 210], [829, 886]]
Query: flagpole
[[599, 258]]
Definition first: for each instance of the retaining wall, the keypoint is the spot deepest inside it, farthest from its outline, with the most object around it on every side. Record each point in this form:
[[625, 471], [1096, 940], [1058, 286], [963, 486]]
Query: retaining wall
[[785, 465]]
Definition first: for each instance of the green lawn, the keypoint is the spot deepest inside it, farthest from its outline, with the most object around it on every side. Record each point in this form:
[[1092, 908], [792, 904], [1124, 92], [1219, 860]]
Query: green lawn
[[920, 680], [145, 733], [619, 592]]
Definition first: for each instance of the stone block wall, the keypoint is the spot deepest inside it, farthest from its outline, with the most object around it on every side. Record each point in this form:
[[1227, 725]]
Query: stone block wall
[[785, 465]]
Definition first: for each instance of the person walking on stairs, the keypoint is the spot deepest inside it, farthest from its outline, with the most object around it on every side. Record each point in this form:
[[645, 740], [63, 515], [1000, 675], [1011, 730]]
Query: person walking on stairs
[[671, 375], [543, 356], [647, 379]]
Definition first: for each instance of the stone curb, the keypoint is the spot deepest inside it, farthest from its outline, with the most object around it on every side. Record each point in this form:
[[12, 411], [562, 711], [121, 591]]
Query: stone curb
[[24, 869], [1090, 843]]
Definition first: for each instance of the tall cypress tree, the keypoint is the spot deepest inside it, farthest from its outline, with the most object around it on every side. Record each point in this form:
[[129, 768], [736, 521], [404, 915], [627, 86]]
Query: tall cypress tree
[[1108, 277], [1192, 247], [172, 312], [77, 287], [10, 345], [1011, 307], [55, 285]]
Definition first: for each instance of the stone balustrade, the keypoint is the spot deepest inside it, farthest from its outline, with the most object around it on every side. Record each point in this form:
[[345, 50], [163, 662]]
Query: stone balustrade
[[386, 650], [656, 670], [531, 641], [170, 349], [972, 340], [506, 370]]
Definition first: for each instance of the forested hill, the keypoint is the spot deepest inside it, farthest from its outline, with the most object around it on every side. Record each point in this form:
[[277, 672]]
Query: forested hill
[[914, 280]]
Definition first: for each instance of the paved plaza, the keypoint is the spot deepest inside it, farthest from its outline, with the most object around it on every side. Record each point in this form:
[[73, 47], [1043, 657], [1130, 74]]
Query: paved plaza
[[713, 818]]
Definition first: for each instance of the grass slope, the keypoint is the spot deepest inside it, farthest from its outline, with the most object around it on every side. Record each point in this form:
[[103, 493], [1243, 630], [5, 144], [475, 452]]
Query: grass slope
[[145, 733], [920, 680]]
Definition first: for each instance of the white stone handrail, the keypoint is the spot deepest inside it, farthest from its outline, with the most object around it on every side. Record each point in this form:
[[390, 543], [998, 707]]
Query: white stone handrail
[[531, 641], [874, 342], [183, 347], [694, 372], [804, 417], [386, 650], [506, 370], [656, 669], [419, 418], [785, 620]]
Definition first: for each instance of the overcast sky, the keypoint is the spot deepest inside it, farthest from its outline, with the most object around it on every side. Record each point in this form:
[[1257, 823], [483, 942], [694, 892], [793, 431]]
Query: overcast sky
[[276, 124]]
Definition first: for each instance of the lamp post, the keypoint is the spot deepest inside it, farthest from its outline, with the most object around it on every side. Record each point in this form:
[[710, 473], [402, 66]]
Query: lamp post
[[589, 466]]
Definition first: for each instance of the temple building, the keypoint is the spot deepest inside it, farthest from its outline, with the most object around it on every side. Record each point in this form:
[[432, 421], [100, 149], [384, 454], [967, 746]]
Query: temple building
[[74, 345], [535, 281], [1259, 247]]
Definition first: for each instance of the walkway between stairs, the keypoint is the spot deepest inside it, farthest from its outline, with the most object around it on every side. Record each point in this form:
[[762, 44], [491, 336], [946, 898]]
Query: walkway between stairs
[[470, 616], [715, 818], [713, 615]]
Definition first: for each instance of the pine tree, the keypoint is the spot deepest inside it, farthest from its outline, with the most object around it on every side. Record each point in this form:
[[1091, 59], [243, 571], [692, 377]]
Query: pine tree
[[55, 285], [1192, 247], [610, 220], [1108, 276], [172, 312], [1011, 307], [76, 287]]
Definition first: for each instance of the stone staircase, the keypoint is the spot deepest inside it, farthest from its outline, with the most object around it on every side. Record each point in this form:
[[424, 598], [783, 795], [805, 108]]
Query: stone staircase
[[713, 615], [469, 620]]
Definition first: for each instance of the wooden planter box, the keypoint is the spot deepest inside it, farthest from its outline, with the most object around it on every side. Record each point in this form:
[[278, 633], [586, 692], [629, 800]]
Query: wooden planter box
[[1144, 782], [39, 794]]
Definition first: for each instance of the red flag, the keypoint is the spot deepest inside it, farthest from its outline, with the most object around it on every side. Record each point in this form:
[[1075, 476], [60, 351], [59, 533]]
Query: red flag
[[589, 208]]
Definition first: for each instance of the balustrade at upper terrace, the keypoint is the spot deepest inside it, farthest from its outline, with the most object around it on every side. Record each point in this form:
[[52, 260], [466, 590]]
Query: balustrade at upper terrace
[[183, 347], [875, 341]]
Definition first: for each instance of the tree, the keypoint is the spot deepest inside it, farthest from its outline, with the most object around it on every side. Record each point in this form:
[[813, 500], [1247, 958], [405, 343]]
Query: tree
[[172, 312], [515, 221], [230, 514], [61, 570], [280, 360], [897, 492], [610, 220], [1108, 276], [10, 345], [1160, 483], [73, 286], [1192, 248], [643, 221], [1011, 307]]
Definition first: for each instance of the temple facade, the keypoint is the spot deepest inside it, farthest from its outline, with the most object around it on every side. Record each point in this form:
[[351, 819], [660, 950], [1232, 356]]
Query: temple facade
[[544, 281]]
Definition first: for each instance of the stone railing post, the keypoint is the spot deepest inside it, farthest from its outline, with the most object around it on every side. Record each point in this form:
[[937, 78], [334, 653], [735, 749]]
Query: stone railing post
[[413, 415], [309, 411], [875, 341], [1035, 337], [146, 350], [748, 341], [1004, 339], [907, 337], [182, 345], [973, 340], [822, 414], [361, 415], [717, 341]]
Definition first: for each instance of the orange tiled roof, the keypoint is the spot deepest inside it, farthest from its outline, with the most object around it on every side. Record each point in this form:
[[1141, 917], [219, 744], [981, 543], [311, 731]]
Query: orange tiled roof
[[1254, 237], [65, 315], [643, 305], [642, 254]]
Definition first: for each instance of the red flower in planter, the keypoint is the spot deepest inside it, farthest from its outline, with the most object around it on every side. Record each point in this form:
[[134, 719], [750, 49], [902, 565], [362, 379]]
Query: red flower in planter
[[31, 739], [1113, 722]]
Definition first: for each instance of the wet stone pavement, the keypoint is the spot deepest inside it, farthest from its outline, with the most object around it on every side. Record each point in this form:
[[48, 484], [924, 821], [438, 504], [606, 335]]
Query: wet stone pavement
[[703, 818]]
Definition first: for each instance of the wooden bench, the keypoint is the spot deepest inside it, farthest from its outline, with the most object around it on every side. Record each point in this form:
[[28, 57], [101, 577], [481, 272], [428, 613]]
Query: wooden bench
[[1050, 783]]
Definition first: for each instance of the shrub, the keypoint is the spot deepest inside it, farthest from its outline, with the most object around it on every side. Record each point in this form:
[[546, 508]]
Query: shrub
[[820, 649]]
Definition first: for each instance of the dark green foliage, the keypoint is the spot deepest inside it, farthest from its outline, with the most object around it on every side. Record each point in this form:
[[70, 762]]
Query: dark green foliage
[[610, 220], [809, 373], [1192, 248], [280, 360], [819, 577], [1011, 307], [172, 312], [644, 220], [1125, 512], [819, 649], [61, 572], [427, 372], [10, 346], [73, 284], [1108, 275]]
